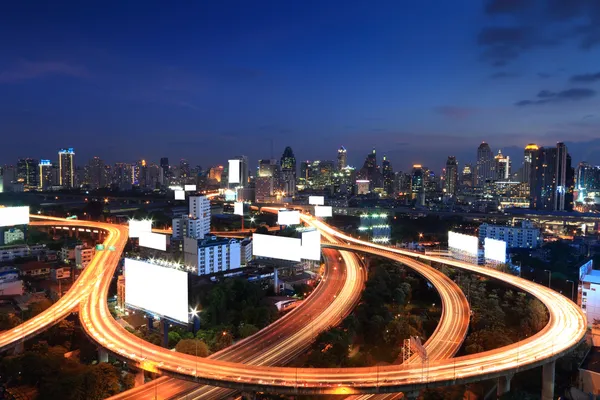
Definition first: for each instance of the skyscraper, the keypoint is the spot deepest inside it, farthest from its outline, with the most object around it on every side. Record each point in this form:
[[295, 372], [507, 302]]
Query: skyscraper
[[66, 166], [288, 172], [267, 179], [467, 176], [370, 171], [96, 172], [562, 167], [164, 174], [451, 176], [341, 158], [27, 173], [485, 163], [530, 150], [552, 179], [45, 175], [501, 167], [388, 176]]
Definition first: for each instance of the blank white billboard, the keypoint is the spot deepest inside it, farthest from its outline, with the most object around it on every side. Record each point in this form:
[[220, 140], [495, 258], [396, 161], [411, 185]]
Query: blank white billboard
[[156, 289], [495, 250], [190, 188], [311, 245], [230, 195], [323, 211], [153, 241], [316, 200], [137, 227], [179, 195], [238, 208], [283, 248], [10, 216], [234, 171], [466, 243], [288, 217]]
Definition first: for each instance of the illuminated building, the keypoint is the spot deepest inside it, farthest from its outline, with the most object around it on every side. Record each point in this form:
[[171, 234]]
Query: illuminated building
[[552, 179], [451, 177], [343, 179], [530, 150], [184, 172], [66, 166], [376, 227], [45, 175], [187, 227], [362, 186], [218, 255], [485, 164], [267, 180], [96, 178], [388, 176], [164, 173], [526, 236], [501, 167], [587, 183], [467, 176], [122, 176], [417, 181], [27, 173], [342, 158], [321, 174], [370, 171], [288, 172]]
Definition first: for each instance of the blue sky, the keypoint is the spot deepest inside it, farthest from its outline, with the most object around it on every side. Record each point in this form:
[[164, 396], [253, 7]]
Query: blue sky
[[417, 80]]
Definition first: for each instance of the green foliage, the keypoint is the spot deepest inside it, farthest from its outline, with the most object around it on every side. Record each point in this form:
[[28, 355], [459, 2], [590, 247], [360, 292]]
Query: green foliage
[[38, 307], [195, 347], [174, 338], [247, 330]]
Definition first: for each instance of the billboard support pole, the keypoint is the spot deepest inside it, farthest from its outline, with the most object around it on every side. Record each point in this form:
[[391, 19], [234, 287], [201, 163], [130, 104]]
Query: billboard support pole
[[164, 324]]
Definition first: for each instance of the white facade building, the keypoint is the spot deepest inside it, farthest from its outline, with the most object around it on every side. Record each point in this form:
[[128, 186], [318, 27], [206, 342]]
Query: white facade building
[[524, 236], [590, 296], [199, 207], [9, 253], [218, 255], [186, 227], [13, 235], [246, 251]]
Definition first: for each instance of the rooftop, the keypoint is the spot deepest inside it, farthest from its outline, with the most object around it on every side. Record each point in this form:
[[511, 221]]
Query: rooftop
[[592, 277]]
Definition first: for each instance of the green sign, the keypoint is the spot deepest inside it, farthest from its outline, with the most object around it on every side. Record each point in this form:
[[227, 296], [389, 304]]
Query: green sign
[[99, 247]]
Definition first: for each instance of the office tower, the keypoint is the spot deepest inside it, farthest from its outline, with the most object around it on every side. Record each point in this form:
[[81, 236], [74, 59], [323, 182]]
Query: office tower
[[343, 180], [96, 172], [153, 176], [416, 185], [467, 176], [27, 173], [501, 167], [267, 179], [370, 171], [342, 160], [184, 171], [304, 178], [388, 176], [288, 172], [451, 176], [530, 149], [588, 181], [164, 173], [552, 179], [200, 209], [45, 175], [321, 174], [66, 166], [485, 163], [122, 176]]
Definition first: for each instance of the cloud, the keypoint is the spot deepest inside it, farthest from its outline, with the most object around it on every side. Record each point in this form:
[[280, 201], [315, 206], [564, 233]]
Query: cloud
[[503, 75], [27, 70], [586, 78], [531, 24], [455, 112], [549, 97]]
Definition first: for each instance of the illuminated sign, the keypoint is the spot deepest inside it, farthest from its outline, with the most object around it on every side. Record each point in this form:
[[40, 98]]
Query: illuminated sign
[[137, 227], [153, 241], [311, 245], [288, 217], [283, 248], [495, 250], [323, 211], [465, 243], [179, 195], [234, 171], [316, 200], [10, 216], [238, 208]]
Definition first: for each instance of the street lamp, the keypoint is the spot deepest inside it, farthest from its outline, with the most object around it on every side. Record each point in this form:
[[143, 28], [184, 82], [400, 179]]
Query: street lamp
[[572, 289], [549, 277]]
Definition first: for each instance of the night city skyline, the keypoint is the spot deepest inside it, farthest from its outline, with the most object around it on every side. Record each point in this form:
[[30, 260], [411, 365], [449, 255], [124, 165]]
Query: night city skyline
[[419, 82]]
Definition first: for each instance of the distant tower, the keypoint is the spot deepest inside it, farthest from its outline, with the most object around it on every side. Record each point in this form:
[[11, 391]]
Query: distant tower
[[388, 176], [288, 172], [451, 177], [528, 154], [66, 166], [27, 173], [342, 160], [485, 160], [501, 167], [563, 165]]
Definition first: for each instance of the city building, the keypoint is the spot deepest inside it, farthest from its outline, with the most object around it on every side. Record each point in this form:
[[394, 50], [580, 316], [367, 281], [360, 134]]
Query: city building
[[524, 236], [362, 186], [342, 158], [343, 180], [45, 175], [388, 176], [552, 179], [218, 255], [267, 180], [59, 272], [417, 184], [501, 167], [589, 287], [485, 164], [83, 256], [67, 254], [34, 268], [588, 183], [66, 166], [9, 253], [11, 235], [122, 176], [376, 227], [243, 177], [528, 155], [371, 172], [321, 174], [164, 173], [288, 172], [199, 207], [467, 177], [245, 251], [28, 173], [215, 174], [10, 282], [96, 178], [451, 177], [195, 228]]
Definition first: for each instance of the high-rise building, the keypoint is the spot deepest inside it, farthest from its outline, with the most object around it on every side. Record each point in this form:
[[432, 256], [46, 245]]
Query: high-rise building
[[164, 173], [342, 160], [27, 173], [417, 181], [243, 177], [370, 171], [587, 181], [45, 175], [184, 171], [451, 177], [501, 167], [304, 178], [267, 180], [96, 172], [485, 164], [530, 149], [388, 176], [467, 176], [321, 174], [552, 179], [288, 172], [66, 166], [215, 174]]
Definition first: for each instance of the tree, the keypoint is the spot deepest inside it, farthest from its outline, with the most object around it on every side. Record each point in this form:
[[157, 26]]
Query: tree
[[102, 381], [247, 330], [38, 307], [194, 347], [174, 338]]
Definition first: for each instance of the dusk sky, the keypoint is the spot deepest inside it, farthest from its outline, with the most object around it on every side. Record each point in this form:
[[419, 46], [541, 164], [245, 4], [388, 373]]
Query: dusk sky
[[208, 80]]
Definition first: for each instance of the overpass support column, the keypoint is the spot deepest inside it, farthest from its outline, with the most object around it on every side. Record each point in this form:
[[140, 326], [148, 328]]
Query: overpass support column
[[102, 355], [503, 385], [139, 378], [164, 326], [150, 323], [548, 381]]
